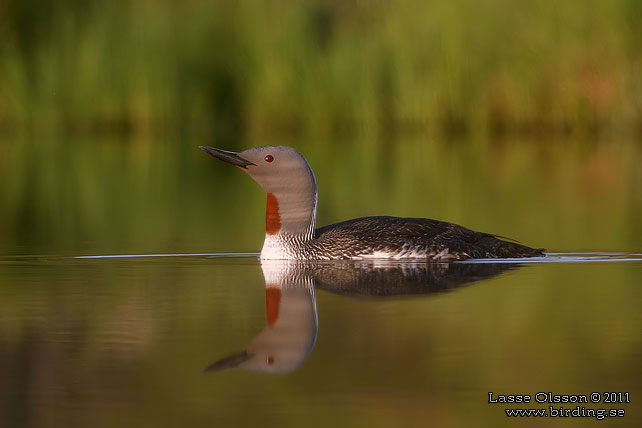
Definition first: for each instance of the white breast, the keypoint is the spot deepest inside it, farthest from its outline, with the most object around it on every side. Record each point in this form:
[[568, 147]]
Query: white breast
[[276, 247]]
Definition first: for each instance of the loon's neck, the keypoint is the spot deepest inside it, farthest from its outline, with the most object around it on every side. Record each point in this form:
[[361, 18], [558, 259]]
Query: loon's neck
[[290, 218]]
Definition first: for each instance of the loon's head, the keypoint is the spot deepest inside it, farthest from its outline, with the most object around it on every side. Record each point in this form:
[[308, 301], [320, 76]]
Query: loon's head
[[288, 180], [275, 168]]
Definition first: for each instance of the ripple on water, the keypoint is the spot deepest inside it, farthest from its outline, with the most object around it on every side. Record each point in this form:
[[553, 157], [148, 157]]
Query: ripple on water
[[570, 257], [553, 257]]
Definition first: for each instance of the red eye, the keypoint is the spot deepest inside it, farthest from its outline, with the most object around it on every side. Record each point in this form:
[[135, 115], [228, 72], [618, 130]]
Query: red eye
[[269, 158]]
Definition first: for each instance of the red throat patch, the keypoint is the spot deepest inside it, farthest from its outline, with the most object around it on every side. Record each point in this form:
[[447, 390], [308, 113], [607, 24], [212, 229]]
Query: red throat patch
[[272, 304], [272, 217]]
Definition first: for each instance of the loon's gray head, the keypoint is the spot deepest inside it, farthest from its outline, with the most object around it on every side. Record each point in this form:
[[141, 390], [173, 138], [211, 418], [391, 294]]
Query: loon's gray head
[[288, 180]]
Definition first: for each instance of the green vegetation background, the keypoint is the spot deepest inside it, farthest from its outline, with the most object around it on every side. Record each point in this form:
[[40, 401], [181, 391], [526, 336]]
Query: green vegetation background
[[519, 118], [260, 67]]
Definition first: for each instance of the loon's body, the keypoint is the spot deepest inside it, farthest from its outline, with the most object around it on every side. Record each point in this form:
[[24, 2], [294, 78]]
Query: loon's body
[[291, 216]]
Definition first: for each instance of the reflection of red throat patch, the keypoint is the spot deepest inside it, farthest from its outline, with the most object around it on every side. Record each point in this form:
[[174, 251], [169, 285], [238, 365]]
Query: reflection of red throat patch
[[272, 304], [272, 217]]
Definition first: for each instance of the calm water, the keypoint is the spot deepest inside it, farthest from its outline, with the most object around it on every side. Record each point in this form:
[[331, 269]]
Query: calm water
[[205, 340]]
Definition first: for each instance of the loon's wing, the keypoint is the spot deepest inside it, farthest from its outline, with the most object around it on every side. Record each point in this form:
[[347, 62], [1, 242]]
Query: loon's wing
[[416, 237]]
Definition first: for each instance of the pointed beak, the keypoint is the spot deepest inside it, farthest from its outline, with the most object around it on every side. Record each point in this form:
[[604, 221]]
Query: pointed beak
[[228, 362], [229, 157]]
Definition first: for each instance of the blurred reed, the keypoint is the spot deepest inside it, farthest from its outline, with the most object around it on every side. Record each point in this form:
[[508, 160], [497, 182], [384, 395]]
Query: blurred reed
[[372, 68], [102, 105]]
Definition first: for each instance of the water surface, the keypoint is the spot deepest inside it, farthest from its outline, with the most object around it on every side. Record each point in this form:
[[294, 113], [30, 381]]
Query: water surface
[[204, 340], [121, 305]]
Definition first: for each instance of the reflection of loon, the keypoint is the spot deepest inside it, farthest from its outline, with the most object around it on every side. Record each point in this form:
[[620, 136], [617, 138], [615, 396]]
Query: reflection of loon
[[395, 278], [291, 330]]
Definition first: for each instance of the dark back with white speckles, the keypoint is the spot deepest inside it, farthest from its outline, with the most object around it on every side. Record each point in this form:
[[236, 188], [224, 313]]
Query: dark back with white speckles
[[411, 237]]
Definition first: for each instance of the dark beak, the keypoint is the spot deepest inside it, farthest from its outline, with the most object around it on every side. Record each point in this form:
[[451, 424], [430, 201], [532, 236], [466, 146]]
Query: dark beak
[[227, 363], [229, 157]]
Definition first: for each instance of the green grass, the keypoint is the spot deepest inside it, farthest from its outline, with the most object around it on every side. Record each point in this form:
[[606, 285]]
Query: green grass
[[373, 68], [399, 106]]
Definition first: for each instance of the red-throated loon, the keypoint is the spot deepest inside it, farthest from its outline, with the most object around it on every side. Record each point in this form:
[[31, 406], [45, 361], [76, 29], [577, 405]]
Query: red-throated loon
[[291, 216]]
